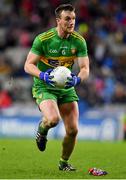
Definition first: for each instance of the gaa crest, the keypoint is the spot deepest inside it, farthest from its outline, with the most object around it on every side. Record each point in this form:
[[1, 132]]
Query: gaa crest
[[73, 50]]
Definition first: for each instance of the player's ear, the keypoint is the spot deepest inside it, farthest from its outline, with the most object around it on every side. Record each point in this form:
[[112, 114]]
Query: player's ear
[[57, 20]]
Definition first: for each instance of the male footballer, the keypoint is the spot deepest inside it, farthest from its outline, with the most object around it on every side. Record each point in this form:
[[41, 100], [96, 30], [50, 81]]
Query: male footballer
[[59, 46]]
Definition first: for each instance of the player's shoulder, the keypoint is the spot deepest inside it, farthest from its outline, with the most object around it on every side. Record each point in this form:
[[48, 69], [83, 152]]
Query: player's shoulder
[[47, 34], [75, 35]]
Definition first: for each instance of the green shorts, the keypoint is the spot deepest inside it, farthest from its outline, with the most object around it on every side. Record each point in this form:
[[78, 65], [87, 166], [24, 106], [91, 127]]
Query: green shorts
[[60, 96]]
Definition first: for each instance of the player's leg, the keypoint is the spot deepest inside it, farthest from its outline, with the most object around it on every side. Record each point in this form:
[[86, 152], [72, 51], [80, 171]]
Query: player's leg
[[70, 114], [50, 112], [46, 101], [51, 118]]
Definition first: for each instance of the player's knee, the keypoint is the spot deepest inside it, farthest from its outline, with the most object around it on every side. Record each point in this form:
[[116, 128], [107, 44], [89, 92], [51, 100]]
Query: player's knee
[[53, 124], [54, 121], [72, 132]]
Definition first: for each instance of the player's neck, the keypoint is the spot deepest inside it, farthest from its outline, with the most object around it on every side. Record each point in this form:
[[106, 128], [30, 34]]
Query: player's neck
[[62, 34]]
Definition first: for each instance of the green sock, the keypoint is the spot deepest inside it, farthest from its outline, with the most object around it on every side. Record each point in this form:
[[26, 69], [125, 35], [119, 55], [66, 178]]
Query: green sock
[[43, 130], [63, 160]]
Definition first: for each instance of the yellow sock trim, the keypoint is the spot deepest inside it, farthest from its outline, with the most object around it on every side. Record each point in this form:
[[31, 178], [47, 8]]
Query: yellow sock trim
[[63, 160]]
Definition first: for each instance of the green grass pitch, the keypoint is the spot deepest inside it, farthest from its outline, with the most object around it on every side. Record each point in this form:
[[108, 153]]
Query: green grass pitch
[[20, 159]]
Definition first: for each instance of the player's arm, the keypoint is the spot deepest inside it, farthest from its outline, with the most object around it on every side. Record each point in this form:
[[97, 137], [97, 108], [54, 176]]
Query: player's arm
[[30, 64], [83, 63], [83, 74], [31, 68], [33, 57]]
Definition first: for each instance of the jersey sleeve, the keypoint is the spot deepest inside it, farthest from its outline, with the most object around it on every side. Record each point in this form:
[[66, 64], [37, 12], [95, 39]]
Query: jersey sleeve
[[37, 46], [82, 48]]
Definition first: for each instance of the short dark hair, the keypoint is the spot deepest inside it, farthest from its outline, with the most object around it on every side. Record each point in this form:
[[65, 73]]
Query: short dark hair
[[63, 7]]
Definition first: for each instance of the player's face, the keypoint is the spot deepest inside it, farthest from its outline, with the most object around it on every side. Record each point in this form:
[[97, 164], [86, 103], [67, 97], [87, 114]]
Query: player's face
[[66, 22]]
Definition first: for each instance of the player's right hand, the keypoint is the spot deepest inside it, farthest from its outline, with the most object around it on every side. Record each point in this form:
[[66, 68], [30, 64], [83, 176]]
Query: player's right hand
[[47, 78]]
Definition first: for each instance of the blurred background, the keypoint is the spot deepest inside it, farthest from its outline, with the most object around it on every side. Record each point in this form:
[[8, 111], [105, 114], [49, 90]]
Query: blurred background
[[102, 97]]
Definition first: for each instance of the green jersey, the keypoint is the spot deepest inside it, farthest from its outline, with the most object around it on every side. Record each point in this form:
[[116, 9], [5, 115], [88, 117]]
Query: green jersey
[[56, 51]]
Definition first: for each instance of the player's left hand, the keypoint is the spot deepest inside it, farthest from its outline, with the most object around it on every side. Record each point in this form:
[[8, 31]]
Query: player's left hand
[[72, 81]]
